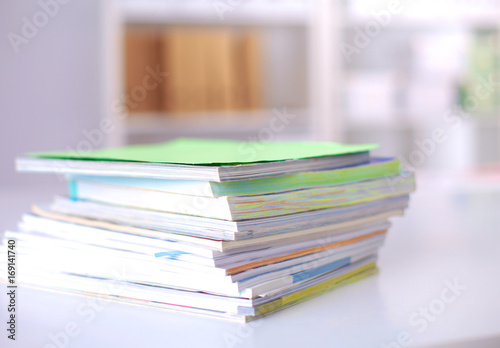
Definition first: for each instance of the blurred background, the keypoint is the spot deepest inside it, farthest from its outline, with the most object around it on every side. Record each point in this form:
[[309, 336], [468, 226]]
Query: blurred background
[[420, 78]]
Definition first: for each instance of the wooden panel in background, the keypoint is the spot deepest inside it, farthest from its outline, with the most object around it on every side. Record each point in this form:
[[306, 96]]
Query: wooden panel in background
[[220, 69], [183, 57], [251, 71], [142, 48]]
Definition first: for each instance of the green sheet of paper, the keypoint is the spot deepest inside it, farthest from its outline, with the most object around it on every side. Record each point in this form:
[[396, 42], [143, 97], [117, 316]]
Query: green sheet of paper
[[212, 152]]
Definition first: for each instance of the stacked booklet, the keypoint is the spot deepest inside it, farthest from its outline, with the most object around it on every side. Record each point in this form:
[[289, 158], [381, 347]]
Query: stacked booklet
[[233, 230]]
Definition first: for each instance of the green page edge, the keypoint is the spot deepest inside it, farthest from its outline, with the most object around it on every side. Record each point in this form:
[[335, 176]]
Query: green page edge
[[210, 152]]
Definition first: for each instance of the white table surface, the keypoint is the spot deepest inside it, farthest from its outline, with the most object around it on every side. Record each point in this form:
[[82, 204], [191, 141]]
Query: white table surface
[[450, 232]]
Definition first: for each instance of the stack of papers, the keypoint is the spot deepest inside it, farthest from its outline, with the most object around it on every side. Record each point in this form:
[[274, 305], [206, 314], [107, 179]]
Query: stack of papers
[[233, 230]]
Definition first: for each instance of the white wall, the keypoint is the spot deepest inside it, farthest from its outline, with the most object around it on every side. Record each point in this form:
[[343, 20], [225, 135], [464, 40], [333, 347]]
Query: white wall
[[50, 90]]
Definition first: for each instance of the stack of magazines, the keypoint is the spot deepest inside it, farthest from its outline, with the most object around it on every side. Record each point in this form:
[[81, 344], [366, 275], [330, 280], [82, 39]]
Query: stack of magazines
[[232, 230]]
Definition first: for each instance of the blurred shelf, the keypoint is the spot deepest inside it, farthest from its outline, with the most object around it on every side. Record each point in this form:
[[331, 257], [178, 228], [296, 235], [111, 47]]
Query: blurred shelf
[[257, 13], [379, 127], [215, 122], [398, 124], [399, 119], [489, 21], [251, 122]]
